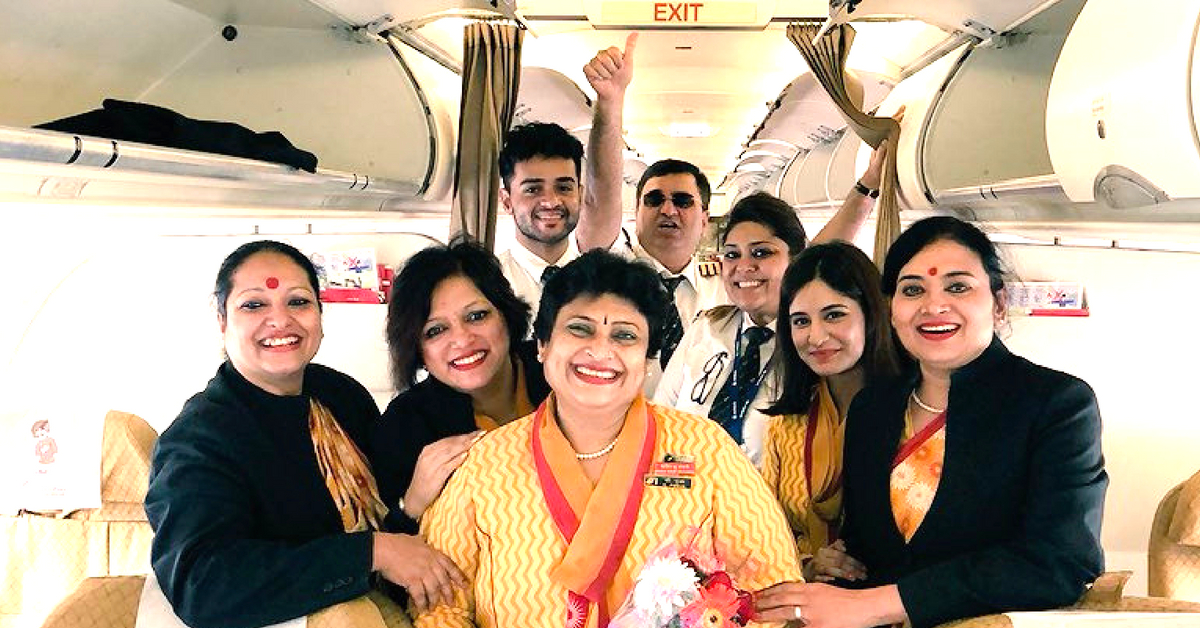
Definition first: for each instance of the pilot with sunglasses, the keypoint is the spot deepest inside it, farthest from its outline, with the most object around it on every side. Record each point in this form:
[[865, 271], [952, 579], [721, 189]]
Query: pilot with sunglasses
[[672, 204]]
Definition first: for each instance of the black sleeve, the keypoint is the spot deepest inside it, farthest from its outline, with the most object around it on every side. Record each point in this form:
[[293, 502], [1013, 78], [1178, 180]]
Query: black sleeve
[[1056, 549], [396, 443], [211, 566]]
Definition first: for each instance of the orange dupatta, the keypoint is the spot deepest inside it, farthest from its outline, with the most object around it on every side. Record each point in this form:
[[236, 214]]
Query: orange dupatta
[[916, 473], [597, 531], [824, 434]]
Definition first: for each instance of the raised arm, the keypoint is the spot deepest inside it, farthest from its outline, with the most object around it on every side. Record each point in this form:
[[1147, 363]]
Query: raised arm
[[609, 73], [855, 210]]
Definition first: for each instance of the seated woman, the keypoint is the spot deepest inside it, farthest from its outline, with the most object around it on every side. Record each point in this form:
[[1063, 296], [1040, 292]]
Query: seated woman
[[834, 324], [262, 504], [457, 316], [721, 368], [974, 485], [552, 515]]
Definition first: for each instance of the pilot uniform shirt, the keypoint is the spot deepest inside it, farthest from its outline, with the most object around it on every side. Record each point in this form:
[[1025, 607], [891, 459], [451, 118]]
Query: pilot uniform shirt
[[694, 294], [523, 269], [708, 347]]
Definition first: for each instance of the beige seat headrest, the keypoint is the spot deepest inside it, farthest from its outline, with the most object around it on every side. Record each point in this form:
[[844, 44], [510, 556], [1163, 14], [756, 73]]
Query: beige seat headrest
[[1185, 523]]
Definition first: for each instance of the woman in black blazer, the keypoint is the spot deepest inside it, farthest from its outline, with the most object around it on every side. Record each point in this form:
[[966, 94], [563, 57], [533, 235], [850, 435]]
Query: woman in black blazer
[[454, 315], [973, 485]]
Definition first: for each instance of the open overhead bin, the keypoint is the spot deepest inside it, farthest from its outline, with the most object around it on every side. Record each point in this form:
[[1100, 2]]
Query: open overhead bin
[[1121, 120], [307, 70]]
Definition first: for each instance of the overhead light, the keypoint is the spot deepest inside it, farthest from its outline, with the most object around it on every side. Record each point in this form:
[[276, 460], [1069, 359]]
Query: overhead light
[[688, 129]]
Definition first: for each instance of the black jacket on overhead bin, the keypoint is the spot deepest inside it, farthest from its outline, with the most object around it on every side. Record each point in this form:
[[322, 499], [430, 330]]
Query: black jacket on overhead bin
[[1015, 522], [245, 531], [426, 413]]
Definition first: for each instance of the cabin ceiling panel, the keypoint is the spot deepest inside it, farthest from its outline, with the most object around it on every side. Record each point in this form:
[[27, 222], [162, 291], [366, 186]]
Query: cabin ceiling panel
[[982, 18], [278, 13], [322, 13], [78, 58]]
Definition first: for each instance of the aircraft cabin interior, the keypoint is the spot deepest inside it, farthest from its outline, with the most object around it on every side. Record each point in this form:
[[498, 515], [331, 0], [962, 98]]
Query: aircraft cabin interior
[[1068, 130]]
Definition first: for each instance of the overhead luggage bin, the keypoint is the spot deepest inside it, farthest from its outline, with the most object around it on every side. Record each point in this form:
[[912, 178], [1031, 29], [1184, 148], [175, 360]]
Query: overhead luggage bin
[[1123, 106], [329, 86]]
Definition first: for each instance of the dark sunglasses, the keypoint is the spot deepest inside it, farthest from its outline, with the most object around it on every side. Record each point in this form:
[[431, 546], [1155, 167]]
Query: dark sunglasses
[[681, 200]]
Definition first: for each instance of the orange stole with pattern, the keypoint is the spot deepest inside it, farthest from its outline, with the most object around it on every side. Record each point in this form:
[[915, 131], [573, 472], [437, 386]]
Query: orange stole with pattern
[[916, 472], [597, 539]]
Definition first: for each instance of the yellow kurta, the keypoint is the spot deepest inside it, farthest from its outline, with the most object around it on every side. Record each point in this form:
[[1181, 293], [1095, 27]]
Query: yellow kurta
[[783, 469], [492, 520]]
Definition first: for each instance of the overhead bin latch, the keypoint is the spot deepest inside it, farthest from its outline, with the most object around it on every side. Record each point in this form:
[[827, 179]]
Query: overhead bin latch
[[371, 32]]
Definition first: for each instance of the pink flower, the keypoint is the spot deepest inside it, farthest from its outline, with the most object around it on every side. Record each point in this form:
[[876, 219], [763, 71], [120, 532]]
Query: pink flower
[[715, 606]]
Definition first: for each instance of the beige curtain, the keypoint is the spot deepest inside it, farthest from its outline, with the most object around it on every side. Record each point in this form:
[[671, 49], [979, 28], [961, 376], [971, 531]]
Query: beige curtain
[[827, 59], [490, 80]]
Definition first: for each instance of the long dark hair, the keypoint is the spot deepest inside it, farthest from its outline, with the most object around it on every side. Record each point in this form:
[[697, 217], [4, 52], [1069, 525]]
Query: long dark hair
[[848, 271], [412, 292]]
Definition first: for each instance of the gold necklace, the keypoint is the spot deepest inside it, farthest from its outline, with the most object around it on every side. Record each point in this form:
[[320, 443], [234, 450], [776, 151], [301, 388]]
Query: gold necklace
[[602, 452], [924, 406]]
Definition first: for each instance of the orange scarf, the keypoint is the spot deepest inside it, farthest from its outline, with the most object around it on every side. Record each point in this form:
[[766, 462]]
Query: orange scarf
[[597, 531], [824, 434], [347, 475], [916, 473]]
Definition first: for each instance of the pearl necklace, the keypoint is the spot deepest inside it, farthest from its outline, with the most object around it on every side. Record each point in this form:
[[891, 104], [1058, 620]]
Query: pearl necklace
[[596, 454], [924, 406]]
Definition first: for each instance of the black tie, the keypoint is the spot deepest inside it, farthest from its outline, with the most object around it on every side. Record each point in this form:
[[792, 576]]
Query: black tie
[[736, 395], [547, 274], [672, 326]]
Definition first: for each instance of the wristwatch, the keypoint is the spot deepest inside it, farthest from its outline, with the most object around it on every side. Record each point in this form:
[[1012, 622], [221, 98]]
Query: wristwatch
[[400, 505], [864, 190]]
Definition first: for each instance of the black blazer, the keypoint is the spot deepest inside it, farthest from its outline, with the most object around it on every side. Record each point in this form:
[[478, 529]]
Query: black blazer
[[426, 413], [1015, 522], [245, 531]]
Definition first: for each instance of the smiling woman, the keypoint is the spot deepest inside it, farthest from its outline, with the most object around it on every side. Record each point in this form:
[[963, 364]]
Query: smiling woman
[[263, 505], [460, 321], [550, 516], [762, 234]]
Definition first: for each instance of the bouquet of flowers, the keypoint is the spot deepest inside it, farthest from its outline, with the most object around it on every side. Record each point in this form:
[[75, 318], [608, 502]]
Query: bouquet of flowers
[[679, 587]]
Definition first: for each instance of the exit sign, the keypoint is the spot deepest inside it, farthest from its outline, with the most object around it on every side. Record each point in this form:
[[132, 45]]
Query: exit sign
[[628, 13]]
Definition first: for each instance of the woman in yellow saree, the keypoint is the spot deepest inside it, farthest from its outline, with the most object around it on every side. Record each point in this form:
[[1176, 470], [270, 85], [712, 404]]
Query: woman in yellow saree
[[552, 515], [836, 338]]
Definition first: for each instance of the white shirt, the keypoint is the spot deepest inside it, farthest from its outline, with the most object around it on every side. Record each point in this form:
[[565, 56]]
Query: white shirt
[[695, 293], [523, 269], [681, 386]]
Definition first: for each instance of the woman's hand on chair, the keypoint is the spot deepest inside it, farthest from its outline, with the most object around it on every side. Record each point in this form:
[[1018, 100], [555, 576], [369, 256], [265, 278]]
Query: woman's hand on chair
[[428, 575], [437, 462]]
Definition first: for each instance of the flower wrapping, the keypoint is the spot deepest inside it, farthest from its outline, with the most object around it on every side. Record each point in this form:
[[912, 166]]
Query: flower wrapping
[[681, 587]]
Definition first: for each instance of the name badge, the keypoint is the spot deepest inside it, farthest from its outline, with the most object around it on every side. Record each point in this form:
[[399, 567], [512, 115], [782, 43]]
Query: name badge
[[668, 482], [673, 471]]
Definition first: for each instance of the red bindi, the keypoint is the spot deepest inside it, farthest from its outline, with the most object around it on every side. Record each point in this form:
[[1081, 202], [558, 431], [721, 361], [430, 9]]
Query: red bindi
[[272, 283], [932, 271]]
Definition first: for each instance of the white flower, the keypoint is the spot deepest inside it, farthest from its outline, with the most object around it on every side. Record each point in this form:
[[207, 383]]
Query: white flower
[[664, 586]]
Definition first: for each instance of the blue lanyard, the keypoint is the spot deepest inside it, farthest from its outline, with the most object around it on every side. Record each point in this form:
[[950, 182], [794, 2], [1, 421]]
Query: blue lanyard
[[742, 399]]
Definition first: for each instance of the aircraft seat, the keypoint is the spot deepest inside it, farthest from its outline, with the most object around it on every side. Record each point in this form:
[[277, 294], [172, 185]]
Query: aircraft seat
[[112, 602], [1174, 554], [47, 555]]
